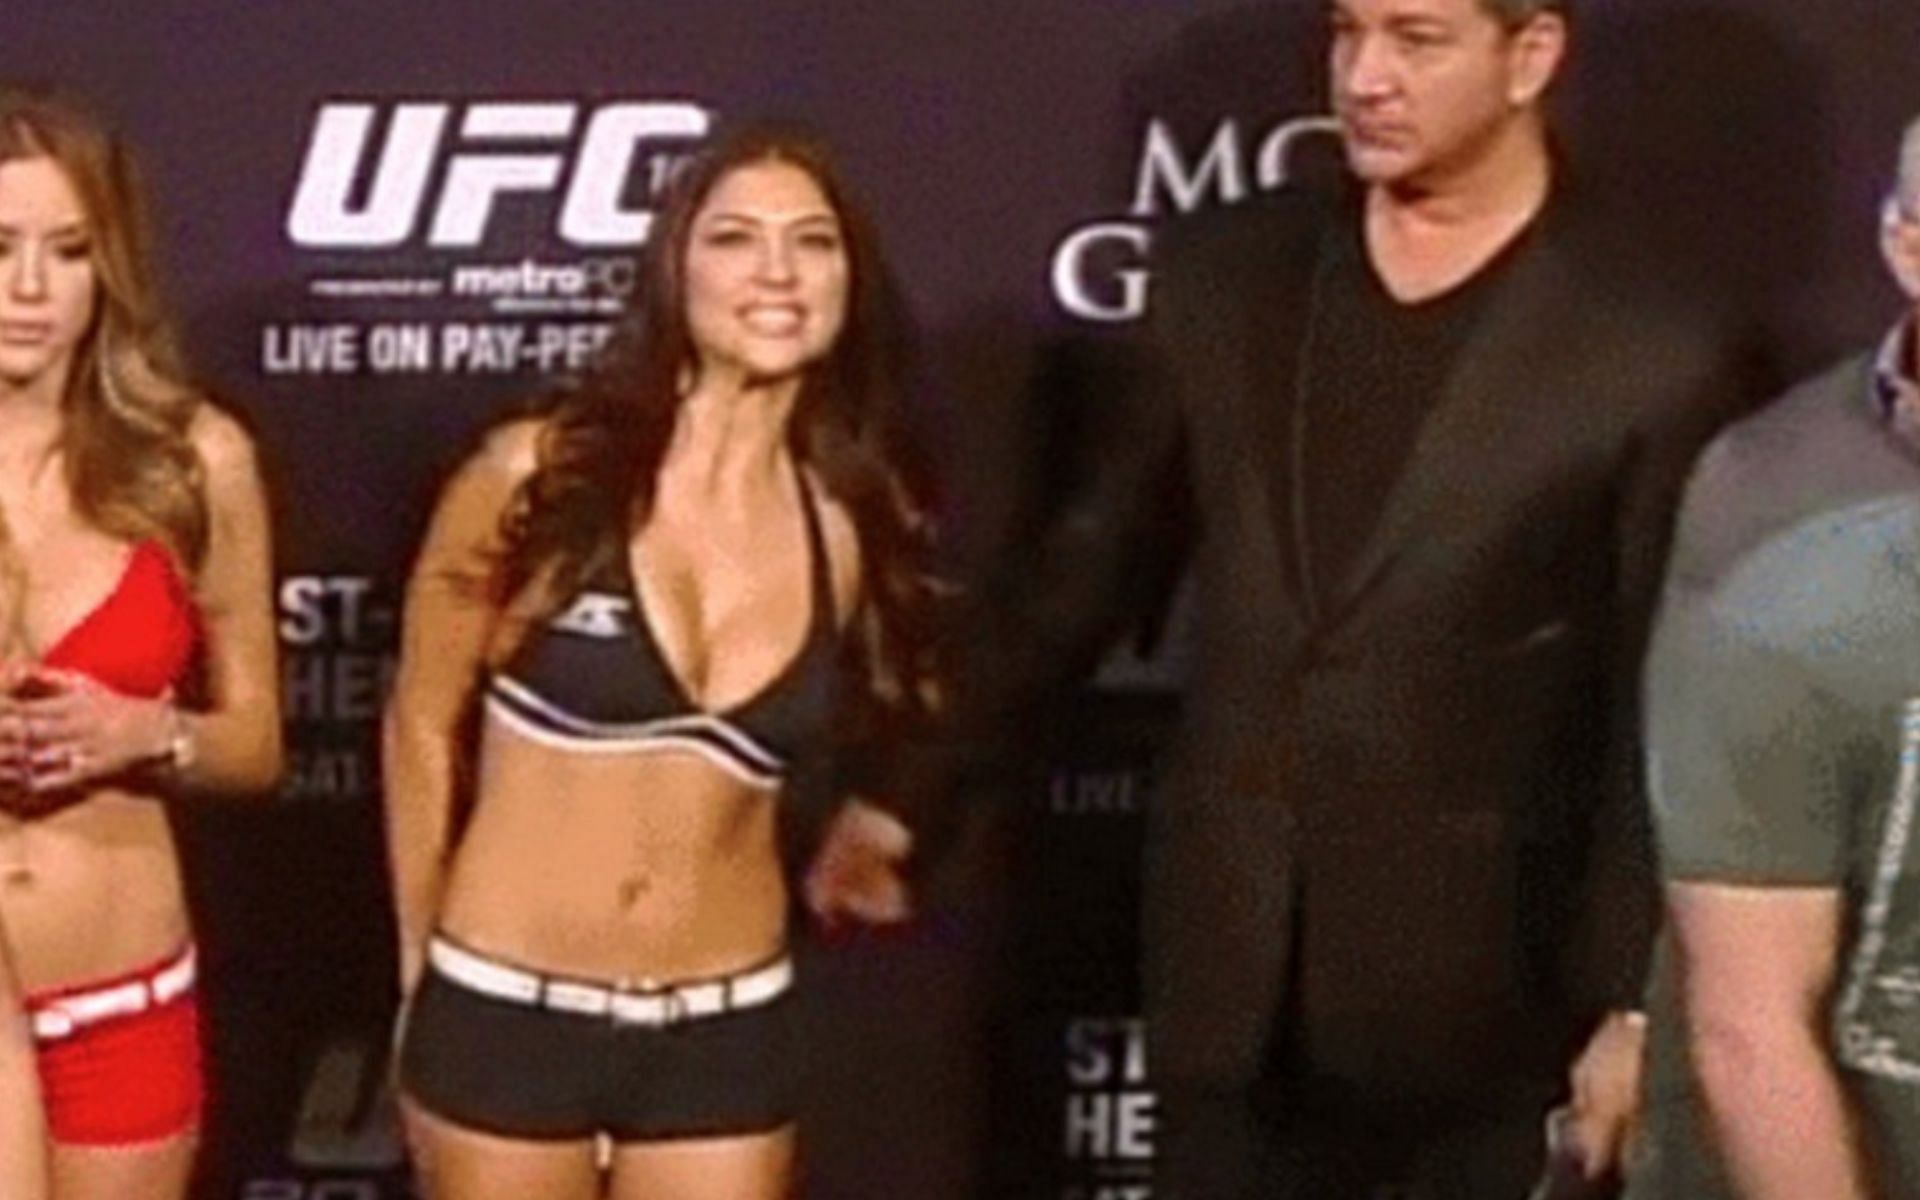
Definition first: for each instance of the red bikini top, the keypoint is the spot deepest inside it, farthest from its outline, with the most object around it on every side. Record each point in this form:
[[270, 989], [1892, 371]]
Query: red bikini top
[[139, 639]]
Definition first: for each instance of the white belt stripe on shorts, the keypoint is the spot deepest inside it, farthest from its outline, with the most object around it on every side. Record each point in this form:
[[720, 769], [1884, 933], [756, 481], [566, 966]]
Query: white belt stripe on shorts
[[652, 1006], [65, 1016]]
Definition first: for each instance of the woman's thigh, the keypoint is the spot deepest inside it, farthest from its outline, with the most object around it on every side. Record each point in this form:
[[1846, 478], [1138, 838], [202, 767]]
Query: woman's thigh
[[453, 1163], [755, 1166], [148, 1171]]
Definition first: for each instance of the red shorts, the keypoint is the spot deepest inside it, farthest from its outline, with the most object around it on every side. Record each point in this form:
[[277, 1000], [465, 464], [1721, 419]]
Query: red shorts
[[120, 1058]]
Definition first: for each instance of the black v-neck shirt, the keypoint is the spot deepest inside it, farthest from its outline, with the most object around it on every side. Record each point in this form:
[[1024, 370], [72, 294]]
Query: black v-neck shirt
[[1371, 369]]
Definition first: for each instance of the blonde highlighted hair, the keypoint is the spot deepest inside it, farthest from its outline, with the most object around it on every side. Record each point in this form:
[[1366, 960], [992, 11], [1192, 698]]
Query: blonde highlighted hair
[[128, 405]]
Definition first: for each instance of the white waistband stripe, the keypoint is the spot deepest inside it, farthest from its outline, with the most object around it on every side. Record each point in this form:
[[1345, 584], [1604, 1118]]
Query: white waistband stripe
[[655, 1007], [66, 1015]]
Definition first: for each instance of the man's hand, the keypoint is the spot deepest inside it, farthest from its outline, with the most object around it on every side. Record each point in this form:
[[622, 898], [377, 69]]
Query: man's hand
[[1606, 1091], [857, 872]]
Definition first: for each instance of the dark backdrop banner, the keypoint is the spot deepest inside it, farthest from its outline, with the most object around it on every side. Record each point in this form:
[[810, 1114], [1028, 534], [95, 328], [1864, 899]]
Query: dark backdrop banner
[[383, 223]]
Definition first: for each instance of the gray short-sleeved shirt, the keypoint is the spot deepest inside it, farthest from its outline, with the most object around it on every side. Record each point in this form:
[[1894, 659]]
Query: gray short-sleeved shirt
[[1783, 739]]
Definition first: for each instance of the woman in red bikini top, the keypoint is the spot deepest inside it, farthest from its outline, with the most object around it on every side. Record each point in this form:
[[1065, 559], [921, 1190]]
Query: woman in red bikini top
[[136, 654]]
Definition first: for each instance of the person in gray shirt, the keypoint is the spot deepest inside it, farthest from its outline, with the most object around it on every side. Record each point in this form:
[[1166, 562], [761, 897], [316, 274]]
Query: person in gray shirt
[[1783, 742]]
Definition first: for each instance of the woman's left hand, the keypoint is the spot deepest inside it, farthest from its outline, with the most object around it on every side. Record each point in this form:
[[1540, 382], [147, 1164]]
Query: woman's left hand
[[71, 729], [857, 872]]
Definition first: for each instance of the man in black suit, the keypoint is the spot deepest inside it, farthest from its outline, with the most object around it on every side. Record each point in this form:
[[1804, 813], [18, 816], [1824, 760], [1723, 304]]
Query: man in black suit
[[1431, 433]]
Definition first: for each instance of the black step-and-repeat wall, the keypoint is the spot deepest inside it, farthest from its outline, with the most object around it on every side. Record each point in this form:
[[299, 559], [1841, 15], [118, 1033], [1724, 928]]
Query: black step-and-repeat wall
[[382, 222]]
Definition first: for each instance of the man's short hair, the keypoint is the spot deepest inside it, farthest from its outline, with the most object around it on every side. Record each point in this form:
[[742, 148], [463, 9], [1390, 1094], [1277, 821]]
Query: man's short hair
[[1515, 13]]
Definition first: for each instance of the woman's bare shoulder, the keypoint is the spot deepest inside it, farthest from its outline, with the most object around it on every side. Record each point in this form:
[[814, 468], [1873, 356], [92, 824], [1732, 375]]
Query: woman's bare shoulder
[[225, 447]]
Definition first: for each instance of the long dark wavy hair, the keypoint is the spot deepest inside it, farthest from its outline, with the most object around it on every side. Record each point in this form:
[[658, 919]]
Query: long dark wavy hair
[[606, 433]]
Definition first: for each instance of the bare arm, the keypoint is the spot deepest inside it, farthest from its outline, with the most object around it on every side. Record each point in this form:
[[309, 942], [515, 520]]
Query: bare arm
[[82, 729], [1758, 966], [857, 871], [449, 621], [23, 1127], [236, 742]]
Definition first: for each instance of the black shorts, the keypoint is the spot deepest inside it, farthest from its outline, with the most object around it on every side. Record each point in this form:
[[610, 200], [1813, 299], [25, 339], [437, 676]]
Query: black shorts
[[513, 1070]]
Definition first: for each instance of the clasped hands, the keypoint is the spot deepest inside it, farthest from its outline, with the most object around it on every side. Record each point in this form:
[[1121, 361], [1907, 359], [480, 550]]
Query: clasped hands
[[60, 729]]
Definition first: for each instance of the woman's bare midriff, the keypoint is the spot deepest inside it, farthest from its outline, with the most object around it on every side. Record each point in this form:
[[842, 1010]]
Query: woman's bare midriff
[[634, 869], [92, 891]]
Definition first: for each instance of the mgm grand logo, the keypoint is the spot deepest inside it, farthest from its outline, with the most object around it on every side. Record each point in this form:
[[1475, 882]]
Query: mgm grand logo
[[1100, 271]]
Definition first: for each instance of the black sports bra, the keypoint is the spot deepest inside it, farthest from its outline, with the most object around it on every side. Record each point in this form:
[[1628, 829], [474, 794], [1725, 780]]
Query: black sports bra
[[592, 678]]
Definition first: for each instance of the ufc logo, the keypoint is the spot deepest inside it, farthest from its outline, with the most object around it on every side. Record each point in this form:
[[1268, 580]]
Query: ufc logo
[[342, 202]]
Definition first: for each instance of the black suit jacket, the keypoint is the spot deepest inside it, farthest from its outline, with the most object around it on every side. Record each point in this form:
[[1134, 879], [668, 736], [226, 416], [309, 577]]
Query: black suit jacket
[[1401, 847]]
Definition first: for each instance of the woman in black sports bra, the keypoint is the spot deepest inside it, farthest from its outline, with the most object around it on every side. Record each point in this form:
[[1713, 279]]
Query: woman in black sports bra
[[701, 564]]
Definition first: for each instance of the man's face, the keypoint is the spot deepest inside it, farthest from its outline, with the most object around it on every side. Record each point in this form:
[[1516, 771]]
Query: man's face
[[1423, 88], [1900, 241]]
